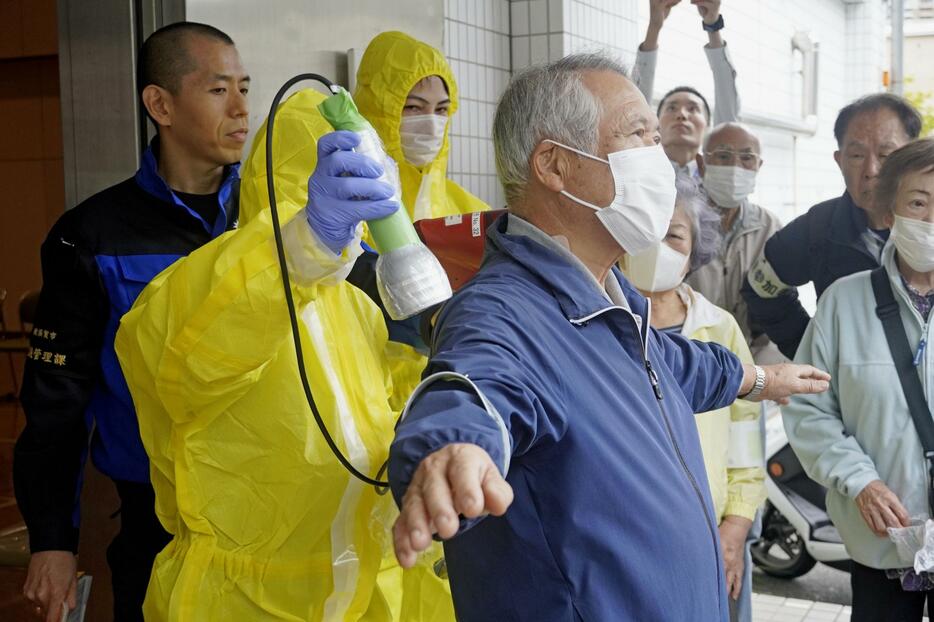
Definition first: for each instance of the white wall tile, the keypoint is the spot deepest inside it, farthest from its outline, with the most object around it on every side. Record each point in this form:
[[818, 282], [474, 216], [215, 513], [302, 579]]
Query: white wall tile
[[555, 46], [556, 10], [520, 18], [521, 52], [538, 17], [539, 48], [471, 16]]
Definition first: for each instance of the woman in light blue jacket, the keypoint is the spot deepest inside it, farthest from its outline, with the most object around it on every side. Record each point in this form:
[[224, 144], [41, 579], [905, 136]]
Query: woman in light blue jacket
[[858, 439]]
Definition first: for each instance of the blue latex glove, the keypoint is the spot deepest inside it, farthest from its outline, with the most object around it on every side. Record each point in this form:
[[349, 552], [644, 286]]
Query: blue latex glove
[[344, 190]]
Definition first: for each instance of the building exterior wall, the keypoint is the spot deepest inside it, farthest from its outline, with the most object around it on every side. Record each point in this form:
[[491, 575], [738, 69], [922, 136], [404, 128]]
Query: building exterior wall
[[799, 169], [919, 58], [477, 44], [919, 48]]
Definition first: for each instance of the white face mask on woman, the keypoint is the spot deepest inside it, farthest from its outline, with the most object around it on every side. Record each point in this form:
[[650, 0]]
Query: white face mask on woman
[[422, 137], [914, 241], [658, 269], [641, 209], [729, 186]]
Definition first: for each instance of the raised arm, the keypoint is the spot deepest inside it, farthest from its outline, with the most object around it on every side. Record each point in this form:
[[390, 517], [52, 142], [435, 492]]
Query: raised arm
[[726, 95], [643, 73], [206, 328]]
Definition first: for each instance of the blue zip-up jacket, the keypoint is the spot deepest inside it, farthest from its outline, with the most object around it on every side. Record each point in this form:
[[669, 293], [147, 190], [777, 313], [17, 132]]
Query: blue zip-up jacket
[[96, 260], [612, 517], [820, 246]]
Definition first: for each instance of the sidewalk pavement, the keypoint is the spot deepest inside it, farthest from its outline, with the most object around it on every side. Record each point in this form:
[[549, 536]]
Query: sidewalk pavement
[[767, 608]]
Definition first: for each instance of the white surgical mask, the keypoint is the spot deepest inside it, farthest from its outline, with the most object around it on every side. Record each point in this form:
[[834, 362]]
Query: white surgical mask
[[422, 137], [914, 241], [641, 209], [728, 186], [658, 269]]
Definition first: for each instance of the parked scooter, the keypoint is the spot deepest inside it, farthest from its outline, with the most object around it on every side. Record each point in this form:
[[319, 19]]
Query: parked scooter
[[796, 531]]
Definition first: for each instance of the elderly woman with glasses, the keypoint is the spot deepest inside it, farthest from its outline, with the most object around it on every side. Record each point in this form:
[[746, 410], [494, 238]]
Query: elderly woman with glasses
[[730, 438]]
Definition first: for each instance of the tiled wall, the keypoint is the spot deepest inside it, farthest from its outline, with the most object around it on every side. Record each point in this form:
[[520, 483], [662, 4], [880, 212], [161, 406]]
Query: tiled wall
[[476, 42], [605, 25]]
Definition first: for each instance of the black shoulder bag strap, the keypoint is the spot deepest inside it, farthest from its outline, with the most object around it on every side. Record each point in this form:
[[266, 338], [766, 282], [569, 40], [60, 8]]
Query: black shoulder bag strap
[[887, 310]]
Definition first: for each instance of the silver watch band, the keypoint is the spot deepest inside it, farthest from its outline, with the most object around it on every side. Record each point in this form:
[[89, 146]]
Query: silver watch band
[[757, 387]]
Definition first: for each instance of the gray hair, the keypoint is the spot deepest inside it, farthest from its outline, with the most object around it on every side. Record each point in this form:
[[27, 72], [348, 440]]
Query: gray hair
[[547, 101], [706, 228], [734, 126]]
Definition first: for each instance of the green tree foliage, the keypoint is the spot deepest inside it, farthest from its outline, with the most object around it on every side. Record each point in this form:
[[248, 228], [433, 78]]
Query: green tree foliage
[[924, 102]]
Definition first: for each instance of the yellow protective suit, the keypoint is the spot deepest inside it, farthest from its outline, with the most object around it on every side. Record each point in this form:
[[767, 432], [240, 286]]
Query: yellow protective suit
[[392, 65], [267, 524]]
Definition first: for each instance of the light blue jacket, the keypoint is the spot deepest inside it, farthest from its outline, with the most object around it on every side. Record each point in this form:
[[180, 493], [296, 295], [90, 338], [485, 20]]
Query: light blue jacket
[[612, 517], [860, 430]]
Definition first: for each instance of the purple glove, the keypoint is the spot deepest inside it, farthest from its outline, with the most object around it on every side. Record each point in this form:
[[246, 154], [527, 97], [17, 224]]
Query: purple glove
[[344, 190]]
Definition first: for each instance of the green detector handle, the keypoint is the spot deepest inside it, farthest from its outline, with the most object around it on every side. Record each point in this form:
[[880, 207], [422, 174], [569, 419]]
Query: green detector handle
[[392, 232]]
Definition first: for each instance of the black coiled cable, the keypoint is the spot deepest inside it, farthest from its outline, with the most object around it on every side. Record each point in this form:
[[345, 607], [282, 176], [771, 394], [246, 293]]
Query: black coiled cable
[[381, 486]]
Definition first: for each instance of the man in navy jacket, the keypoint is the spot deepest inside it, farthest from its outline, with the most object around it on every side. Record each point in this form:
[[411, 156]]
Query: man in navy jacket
[[835, 238], [96, 260], [550, 403]]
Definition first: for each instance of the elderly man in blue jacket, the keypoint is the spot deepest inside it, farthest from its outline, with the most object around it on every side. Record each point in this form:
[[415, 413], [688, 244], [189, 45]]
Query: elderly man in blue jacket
[[549, 394]]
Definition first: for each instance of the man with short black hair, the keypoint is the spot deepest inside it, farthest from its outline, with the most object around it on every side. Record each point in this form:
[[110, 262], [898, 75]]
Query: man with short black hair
[[96, 260], [683, 113], [835, 238]]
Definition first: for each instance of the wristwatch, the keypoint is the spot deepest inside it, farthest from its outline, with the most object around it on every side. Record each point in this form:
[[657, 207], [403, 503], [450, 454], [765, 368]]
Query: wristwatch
[[714, 27], [758, 387]]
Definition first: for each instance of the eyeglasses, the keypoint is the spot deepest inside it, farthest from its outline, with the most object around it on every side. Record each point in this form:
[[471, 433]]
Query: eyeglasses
[[728, 157]]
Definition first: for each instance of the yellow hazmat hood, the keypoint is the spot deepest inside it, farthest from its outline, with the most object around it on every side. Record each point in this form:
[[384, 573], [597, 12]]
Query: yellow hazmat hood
[[298, 127], [393, 63]]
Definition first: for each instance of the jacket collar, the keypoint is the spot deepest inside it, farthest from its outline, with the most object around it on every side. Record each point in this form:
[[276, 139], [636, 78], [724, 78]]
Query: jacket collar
[[750, 217], [848, 223], [577, 296], [150, 181], [701, 312]]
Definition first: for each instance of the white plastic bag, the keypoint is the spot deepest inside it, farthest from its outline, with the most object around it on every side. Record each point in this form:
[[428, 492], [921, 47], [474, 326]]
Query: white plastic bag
[[908, 540], [915, 544]]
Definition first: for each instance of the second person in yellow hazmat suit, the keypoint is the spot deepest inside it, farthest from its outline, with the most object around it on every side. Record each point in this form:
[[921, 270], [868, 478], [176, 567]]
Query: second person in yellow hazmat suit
[[406, 90], [266, 524]]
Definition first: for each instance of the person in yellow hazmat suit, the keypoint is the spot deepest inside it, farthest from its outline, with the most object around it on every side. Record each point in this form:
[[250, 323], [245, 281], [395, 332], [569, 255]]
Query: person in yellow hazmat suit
[[266, 524], [406, 90]]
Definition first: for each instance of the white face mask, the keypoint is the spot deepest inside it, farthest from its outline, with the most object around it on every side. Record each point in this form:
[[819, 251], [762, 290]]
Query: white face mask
[[914, 241], [422, 137], [641, 209], [658, 269], [729, 186]]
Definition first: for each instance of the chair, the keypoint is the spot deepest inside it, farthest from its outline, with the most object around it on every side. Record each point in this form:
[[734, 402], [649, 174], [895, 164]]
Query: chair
[[27, 311], [4, 333]]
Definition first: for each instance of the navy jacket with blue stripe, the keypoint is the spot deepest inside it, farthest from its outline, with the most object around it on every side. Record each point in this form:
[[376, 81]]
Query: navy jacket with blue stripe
[[612, 517], [96, 260]]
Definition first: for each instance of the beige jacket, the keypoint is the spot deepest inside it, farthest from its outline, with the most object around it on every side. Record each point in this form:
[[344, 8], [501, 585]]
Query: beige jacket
[[721, 279]]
